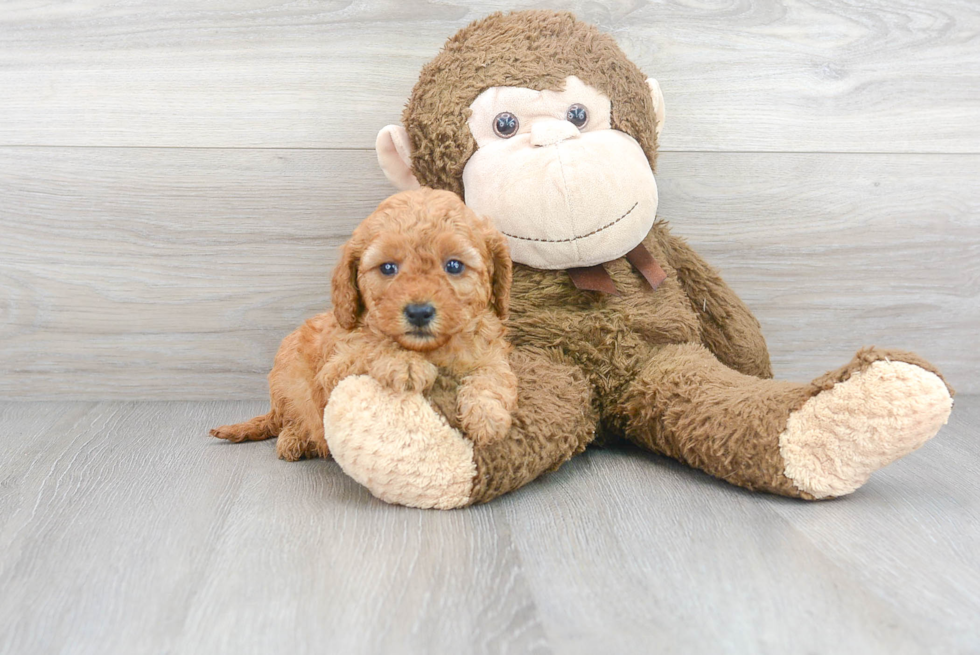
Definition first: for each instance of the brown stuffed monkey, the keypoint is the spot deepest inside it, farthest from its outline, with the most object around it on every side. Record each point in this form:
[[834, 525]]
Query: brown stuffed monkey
[[620, 329]]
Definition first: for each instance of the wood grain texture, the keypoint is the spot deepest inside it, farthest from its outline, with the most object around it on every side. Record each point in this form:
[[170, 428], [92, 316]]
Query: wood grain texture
[[152, 267], [921, 501], [837, 252], [754, 75], [679, 560], [174, 273], [124, 529], [128, 530], [174, 182]]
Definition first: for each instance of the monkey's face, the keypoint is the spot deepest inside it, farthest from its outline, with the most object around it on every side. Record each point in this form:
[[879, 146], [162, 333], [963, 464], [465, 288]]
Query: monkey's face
[[566, 188]]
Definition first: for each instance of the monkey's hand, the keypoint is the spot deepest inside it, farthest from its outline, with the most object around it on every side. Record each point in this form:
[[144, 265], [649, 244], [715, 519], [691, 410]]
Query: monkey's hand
[[405, 372]]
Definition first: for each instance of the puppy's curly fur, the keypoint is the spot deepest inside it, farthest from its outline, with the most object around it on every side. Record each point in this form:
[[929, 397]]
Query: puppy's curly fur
[[401, 312]]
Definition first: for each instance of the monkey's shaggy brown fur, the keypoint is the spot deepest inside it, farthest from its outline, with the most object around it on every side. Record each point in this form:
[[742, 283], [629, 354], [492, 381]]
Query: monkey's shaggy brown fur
[[683, 370], [367, 332], [536, 49]]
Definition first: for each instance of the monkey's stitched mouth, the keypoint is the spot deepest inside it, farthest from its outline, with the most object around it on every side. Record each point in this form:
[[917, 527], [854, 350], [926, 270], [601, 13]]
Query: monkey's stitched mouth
[[583, 236]]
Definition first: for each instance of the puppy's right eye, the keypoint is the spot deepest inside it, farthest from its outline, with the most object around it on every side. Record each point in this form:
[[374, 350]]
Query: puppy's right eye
[[505, 125], [454, 267], [388, 269]]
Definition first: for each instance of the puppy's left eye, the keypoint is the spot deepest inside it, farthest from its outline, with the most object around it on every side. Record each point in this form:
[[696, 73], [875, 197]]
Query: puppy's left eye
[[454, 267], [388, 268]]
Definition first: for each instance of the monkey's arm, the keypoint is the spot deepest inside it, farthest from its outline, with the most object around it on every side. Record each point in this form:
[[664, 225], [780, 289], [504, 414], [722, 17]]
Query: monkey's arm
[[405, 451], [728, 328]]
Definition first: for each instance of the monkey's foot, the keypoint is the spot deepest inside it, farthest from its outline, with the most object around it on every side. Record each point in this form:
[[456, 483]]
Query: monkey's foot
[[397, 446], [876, 411]]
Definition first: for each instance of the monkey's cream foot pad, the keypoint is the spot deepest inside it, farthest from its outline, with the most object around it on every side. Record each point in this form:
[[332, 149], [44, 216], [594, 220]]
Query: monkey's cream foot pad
[[397, 446], [838, 438]]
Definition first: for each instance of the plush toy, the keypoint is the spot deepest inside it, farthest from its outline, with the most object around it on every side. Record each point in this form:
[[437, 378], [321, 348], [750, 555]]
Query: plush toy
[[621, 331]]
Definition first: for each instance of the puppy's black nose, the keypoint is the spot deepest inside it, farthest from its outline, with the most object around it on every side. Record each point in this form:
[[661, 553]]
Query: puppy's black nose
[[420, 314]]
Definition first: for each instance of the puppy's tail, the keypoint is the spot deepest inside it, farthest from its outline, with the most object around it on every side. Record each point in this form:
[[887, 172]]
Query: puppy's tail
[[257, 429]]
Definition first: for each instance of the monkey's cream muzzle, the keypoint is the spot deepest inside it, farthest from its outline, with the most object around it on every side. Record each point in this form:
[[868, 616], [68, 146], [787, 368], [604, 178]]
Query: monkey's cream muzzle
[[599, 196]]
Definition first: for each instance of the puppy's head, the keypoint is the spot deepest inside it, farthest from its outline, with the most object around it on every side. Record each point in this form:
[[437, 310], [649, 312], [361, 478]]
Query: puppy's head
[[420, 268]]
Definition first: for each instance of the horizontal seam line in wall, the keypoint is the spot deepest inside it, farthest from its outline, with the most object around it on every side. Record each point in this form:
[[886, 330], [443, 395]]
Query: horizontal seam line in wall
[[345, 149]]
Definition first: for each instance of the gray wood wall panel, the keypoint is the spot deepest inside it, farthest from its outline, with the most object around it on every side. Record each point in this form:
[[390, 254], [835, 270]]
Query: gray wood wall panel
[[757, 75], [175, 179], [174, 273]]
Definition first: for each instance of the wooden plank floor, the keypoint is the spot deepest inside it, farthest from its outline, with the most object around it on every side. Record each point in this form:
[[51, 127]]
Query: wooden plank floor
[[123, 529]]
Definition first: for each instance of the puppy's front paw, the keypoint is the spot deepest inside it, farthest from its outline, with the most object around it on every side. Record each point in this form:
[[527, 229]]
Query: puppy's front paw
[[290, 446], [484, 420], [411, 374]]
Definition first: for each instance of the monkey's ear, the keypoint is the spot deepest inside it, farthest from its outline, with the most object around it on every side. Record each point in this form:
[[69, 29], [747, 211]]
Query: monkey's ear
[[658, 102], [395, 156]]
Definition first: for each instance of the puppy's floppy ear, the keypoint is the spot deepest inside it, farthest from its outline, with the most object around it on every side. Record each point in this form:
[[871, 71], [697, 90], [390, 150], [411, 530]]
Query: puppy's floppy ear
[[502, 270], [347, 303]]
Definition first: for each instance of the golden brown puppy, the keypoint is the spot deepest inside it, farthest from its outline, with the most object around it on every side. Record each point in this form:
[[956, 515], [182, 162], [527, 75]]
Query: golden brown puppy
[[423, 284]]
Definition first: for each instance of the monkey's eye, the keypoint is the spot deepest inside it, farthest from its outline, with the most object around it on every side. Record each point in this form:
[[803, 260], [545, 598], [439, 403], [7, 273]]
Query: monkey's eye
[[577, 115], [388, 269], [454, 267], [505, 125]]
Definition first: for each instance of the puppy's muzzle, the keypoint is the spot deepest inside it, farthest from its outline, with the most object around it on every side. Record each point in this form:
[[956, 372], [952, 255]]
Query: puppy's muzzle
[[419, 314]]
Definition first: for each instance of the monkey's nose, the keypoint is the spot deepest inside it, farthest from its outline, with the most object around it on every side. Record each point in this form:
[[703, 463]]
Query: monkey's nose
[[552, 131], [420, 314]]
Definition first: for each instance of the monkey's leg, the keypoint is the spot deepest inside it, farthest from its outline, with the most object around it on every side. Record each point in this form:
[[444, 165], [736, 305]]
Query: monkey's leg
[[405, 452], [816, 440]]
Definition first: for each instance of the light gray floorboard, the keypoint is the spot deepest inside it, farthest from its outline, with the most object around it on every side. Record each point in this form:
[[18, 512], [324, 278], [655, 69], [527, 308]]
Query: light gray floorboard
[[926, 508], [123, 529], [691, 564], [126, 529]]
